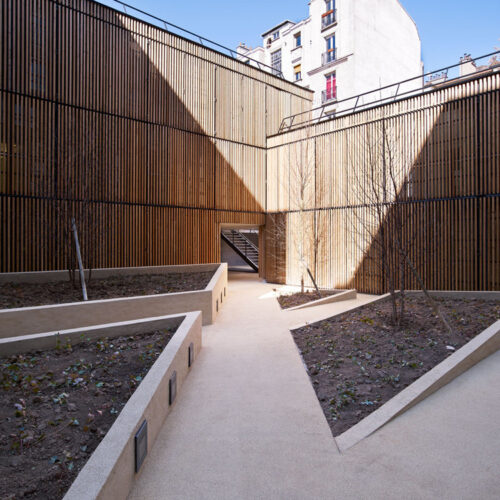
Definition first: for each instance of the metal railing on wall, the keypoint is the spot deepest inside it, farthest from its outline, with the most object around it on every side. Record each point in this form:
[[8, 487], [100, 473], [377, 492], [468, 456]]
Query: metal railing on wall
[[329, 95], [205, 42], [328, 57], [410, 87]]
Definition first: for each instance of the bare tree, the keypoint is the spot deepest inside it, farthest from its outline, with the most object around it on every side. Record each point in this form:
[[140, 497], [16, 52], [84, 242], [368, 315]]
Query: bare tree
[[302, 227], [383, 222], [81, 182]]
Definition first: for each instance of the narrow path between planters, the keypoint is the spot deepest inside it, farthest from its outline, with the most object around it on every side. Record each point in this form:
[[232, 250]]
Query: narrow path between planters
[[247, 423]]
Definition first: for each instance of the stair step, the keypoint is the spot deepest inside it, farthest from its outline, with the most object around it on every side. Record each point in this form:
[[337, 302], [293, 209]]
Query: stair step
[[244, 246]]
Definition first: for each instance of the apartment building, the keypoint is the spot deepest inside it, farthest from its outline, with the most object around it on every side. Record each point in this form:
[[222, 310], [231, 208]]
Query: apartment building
[[344, 48]]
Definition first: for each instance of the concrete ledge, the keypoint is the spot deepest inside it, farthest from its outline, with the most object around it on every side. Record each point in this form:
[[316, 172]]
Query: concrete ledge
[[42, 341], [110, 471], [105, 272], [326, 317], [342, 295], [459, 294], [478, 348], [49, 318], [483, 295]]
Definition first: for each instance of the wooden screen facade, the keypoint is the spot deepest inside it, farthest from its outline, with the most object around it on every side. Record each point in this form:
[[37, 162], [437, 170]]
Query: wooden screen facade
[[445, 146], [148, 140], [151, 142]]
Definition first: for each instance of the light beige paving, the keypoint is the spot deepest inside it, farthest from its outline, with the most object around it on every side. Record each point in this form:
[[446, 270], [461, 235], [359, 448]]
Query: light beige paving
[[248, 425]]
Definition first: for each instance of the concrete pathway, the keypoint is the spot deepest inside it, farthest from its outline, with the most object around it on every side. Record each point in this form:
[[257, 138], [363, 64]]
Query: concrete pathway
[[247, 423]]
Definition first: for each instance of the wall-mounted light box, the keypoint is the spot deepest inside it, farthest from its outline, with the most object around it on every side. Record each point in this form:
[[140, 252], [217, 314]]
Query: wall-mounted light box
[[141, 445], [172, 388], [190, 354]]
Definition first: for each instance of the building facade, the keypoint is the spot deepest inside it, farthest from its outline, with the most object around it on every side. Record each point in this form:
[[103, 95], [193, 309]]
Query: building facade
[[344, 48]]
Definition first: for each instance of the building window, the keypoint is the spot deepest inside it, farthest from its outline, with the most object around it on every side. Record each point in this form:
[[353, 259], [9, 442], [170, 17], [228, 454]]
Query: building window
[[328, 18], [298, 39], [330, 54], [330, 43], [297, 72], [276, 35], [330, 93], [276, 62]]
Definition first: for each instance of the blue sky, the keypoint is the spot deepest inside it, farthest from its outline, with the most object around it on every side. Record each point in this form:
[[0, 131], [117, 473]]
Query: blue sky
[[448, 28]]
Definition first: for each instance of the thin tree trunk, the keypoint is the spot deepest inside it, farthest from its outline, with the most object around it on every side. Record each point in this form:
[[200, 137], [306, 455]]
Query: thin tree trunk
[[314, 282], [433, 303]]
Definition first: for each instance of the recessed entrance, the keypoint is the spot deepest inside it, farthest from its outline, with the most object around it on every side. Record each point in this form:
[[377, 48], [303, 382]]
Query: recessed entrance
[[240, 248]]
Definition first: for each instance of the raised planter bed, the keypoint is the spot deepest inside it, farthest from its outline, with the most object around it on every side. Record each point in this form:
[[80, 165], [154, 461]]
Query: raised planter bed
[[366, 373], [47, 318], [111, 469], [309, 298], [15, 295]]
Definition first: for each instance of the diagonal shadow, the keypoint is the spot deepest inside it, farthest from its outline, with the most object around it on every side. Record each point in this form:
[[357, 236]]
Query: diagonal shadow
[[447, 207], [137, 156]]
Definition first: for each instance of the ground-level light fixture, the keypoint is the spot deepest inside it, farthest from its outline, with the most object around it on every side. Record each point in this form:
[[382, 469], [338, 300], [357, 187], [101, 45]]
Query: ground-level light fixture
[[190, 354], [141, 445], [172, 388]]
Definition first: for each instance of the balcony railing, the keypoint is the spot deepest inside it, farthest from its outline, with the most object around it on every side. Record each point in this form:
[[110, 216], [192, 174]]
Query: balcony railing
[[328, 57], [328, 19], [276, 69], [329, 95]]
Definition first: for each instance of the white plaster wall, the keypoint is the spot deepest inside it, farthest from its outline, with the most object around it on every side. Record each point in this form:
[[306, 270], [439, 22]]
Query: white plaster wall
[[377, 44], [386, 45], [298, 55], [344, 43]]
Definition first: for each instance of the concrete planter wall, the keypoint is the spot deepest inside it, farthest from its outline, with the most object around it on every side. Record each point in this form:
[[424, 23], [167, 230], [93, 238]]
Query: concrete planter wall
[[49, 340], [110, 471], [338, 297], [480, 347], [32, 320]]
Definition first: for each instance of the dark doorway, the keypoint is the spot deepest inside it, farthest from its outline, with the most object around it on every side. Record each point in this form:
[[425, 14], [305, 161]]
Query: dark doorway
[[240, 249]]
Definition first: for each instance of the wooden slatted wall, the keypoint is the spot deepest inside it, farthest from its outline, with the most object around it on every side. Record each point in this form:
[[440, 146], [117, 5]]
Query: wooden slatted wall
[[447, 148], [150, 140]]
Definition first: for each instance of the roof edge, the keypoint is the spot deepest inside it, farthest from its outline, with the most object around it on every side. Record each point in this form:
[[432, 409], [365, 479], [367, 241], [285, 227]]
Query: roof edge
[[274, 28]]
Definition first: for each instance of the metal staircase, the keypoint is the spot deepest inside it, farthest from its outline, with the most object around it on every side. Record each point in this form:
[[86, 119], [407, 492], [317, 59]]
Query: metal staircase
[[242, 246]]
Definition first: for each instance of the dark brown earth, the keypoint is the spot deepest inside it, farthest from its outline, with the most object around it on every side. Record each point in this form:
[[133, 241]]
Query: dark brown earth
[[357, 361], [299, 298], [58, 405], [27, 294]]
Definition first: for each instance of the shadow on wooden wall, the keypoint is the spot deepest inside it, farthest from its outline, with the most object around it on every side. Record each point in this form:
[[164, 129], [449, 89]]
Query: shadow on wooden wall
[[93, 129]]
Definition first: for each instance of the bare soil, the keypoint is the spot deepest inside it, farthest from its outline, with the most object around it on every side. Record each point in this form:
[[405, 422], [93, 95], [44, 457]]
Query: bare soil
[[28, 294], [357, 361], [57, 406], [299, 298]]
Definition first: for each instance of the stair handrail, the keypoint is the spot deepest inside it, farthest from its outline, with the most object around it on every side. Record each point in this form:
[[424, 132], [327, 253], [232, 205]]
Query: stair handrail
[[250, 243], [231, 234]]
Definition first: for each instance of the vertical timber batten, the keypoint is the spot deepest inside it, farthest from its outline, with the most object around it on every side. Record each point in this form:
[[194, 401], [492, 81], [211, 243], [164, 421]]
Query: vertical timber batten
[[447, 144], [136, 124], [151, 142]]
